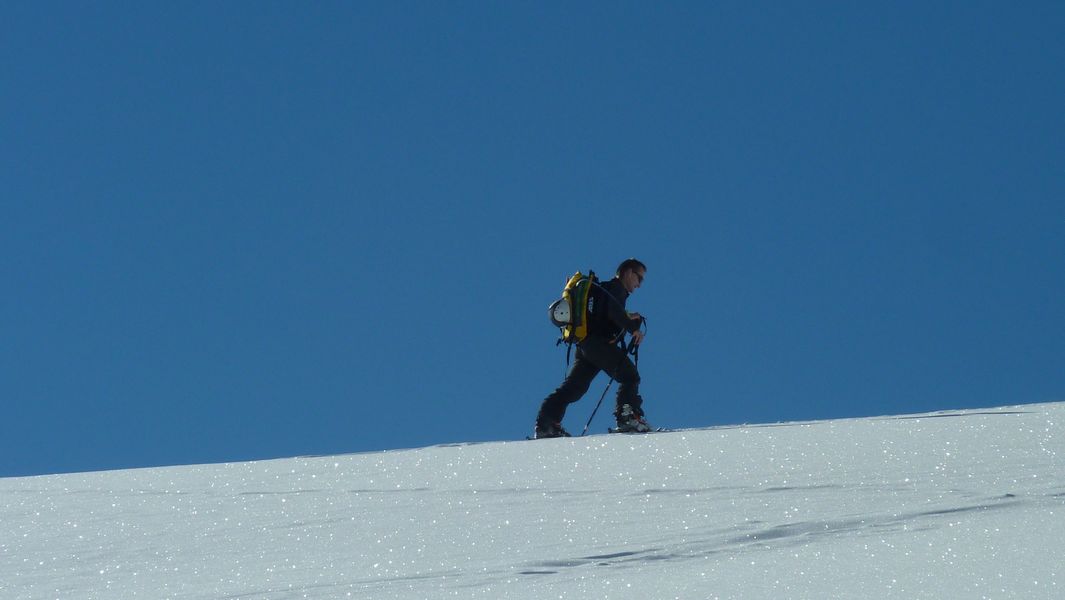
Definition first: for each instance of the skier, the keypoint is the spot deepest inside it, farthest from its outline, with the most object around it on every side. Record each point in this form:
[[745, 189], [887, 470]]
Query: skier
[[603, 349]]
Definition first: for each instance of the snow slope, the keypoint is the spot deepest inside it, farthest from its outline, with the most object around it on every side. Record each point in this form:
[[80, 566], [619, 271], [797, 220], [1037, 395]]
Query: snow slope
[[967, 504]]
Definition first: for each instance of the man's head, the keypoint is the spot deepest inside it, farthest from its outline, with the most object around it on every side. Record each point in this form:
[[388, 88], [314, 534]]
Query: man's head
[[631, 273]]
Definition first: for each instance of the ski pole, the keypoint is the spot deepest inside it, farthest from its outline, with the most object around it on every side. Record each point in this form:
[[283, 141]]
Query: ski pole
[[589, 423]]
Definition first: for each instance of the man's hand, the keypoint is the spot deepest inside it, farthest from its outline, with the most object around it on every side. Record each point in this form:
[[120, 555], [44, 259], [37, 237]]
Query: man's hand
[[637, 337]]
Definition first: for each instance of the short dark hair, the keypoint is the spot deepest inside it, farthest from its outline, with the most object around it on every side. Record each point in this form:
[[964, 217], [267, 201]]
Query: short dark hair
[[627, 264]]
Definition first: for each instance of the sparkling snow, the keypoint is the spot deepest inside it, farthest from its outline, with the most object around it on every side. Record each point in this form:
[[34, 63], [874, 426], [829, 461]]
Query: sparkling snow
[[966, 504]]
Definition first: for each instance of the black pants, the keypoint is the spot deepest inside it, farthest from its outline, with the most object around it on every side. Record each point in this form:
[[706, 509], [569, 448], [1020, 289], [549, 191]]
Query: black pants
[[593, 355]]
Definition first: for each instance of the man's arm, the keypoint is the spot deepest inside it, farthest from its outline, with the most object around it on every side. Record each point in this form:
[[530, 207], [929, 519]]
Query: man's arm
[[628, 322]]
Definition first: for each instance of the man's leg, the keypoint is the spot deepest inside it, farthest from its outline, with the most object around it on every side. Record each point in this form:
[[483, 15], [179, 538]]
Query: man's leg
[[614, 361], [576, 384], [628, 379]]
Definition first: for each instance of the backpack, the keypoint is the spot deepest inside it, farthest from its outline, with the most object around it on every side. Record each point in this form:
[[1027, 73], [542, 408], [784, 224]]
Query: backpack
[[570, 312]]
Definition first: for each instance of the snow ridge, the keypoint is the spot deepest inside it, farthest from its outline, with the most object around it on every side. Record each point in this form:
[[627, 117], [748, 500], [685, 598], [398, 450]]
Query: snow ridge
[[960, 504]]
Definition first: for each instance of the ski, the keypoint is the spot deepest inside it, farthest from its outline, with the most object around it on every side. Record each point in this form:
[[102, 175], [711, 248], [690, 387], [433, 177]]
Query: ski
[[655, 430], [610, 430]]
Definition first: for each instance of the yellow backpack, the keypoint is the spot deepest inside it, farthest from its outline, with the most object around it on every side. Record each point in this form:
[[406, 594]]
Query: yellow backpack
[[570, 312]]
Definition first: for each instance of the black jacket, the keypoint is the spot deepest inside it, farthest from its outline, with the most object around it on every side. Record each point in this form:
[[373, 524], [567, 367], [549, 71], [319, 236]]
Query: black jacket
[[607, 317]]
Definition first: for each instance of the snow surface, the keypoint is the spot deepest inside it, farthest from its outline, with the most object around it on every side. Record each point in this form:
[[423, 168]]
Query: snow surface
[[967, 504]]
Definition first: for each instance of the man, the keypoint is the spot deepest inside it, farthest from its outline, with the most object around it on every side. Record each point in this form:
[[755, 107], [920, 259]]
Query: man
[[603, 349]]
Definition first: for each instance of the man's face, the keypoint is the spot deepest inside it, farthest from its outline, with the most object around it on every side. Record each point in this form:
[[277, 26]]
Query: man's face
[[632, 279]]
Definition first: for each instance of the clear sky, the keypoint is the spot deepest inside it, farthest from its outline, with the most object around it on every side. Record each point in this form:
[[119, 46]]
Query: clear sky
[[245, 230]]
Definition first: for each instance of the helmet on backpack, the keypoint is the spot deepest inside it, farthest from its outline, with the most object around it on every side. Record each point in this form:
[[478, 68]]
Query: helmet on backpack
[[559, 313]]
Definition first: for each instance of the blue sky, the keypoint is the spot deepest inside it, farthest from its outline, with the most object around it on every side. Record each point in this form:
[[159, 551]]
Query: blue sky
[[243, 230]]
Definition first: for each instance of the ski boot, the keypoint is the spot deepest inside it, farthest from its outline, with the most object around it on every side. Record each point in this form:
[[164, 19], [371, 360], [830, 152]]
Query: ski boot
[[549, 430], [630, 420]]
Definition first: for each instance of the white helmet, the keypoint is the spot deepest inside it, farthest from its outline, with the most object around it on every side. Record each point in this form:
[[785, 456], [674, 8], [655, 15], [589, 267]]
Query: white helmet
[[559, 313]]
